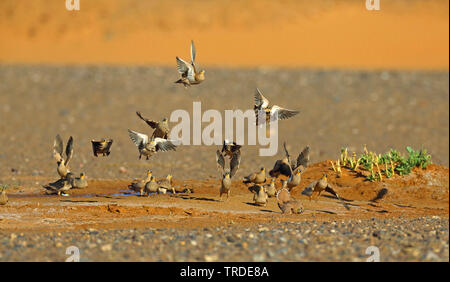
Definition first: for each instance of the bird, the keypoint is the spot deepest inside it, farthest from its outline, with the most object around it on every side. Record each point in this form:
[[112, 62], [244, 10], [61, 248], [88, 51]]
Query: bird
[[270, 188], [235, 161], [80, 182], [286, 203], [230, 147], [61, 185], [319, 186], [256, 177], [189, 73], [294, 180], [272, 112], [139, 184], [162, 190], [151, 186], [161, 127], [62, 164], [286, 167], [3, 196], [260, 196], [225, 187], [166, 184], [102, 147], [148, 147]]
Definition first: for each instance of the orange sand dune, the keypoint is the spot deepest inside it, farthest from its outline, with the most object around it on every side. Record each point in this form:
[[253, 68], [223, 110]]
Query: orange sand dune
[[330, 34]]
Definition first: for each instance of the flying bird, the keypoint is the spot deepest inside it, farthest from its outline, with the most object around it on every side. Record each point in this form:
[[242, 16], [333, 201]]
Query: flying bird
[[188, 71], [62, 164], [272, 112], [229, 148], [287, 167], [149, 147], [161, 127], [102, 147]]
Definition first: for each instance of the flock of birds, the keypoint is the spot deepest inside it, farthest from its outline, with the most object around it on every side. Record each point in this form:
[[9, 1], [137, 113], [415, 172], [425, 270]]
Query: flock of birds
[[159, 142]]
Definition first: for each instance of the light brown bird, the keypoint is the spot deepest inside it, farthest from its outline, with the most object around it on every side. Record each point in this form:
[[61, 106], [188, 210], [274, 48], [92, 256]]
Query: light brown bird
[[3, 196], [270, 188], [318, 187], [102, 147], [256, 177], [80, 182], [166, 184], [62, 164], [265, 112], [149, 147], [225, 187], [294, 180], [287, 167], [151, 186], [161, 128], [260, 196], [286, 203], [189, 73], [138, 185], [61, 185]]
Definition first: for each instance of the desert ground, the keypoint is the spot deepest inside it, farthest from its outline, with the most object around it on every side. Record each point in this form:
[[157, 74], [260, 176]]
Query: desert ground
[[85, 74]]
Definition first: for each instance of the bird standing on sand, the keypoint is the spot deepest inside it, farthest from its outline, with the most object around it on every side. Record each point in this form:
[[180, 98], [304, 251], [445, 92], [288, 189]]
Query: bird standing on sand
[[151, 186], [148, 147], [62, 164], [102, 147], [3, 196], [256, 177], [271, 190], [235, 161], [80, 182], [61, 185], [286, 203], [271, 112], [318, 187], [139, 185], [188, 71], [161, 127], [260, 197], [166, 184]]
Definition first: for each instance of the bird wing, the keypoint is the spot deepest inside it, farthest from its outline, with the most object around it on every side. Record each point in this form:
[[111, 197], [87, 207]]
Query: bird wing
[[58, 145], [151, 123], [185, 69], [220, 161], [282, 113], [287, 152], [235, 162], [303, 158], [309, 189], [164, 145], [138, 138], [193, 52], [283, 196], [261, 102], [69, 150], [254, 188]]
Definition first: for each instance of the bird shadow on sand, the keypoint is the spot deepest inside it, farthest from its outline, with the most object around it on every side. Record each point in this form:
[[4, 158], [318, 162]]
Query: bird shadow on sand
[[79, 201], [324, 211], [196, 198], [333, 197]]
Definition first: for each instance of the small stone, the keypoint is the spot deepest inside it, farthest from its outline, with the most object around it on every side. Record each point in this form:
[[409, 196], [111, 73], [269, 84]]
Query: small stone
[[106, 248], [211, 258]]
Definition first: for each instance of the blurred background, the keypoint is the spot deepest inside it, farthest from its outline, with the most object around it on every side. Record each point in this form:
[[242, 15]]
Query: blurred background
[[357, 76]]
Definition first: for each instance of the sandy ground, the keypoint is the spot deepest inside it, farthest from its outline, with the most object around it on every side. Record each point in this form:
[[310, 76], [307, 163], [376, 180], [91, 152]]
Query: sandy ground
[[326, 33]]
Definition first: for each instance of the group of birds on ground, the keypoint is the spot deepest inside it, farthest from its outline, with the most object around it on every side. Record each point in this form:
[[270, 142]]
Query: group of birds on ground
[[159, 142]]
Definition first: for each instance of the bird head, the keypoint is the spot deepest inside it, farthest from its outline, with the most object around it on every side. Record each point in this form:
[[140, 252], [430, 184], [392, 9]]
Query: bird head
[[165, 119], [272, 181], [169, 176], [149, 172], [227, 174], [82, 175], [324, 177], [262, 169]]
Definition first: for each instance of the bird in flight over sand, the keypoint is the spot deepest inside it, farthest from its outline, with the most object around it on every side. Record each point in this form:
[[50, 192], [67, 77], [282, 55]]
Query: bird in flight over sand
[[229, 148], [161, 127], [102, 147], [149, 147], [318, 187], [272, 112], [189, 73], [63, 164], [289, 168]]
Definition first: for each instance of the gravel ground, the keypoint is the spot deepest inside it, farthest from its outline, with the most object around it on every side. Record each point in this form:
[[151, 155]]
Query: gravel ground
[[420, 239]]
